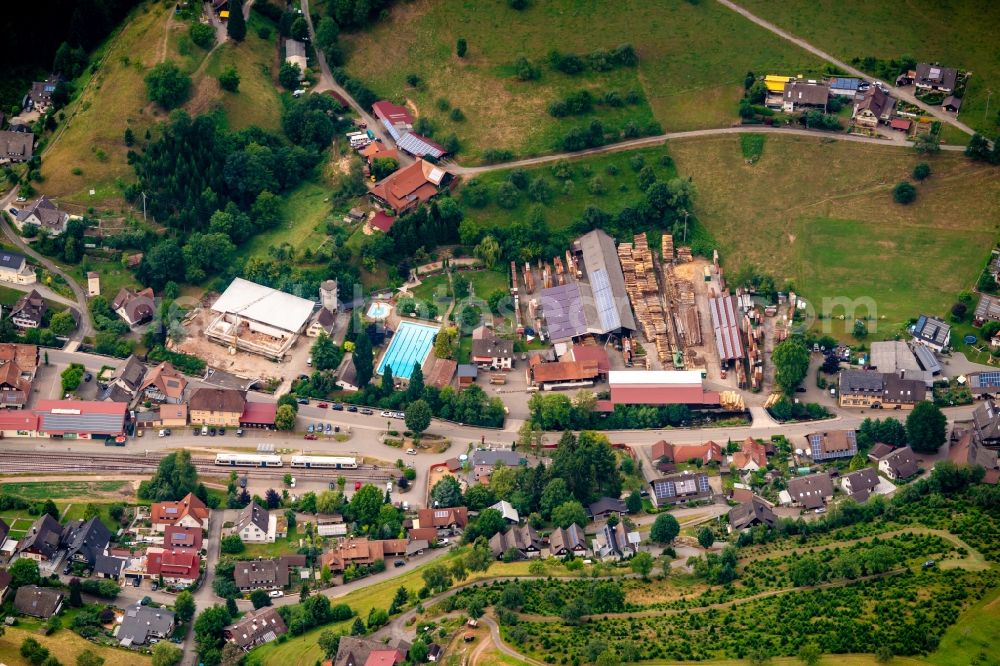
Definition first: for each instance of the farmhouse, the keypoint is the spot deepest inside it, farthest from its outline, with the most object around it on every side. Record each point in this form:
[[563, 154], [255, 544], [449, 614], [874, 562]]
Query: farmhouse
[[81, 419], [14, 268], [18, 364], [399, 123], [257, 319], [832, 444], [29, 311], [657, 387], [860, 485], [16, 146], [135, 308], [218, 407], [43, 214], [801, 95], [931, 332], [900, 464], [255, 628], [680, 489], [935, 77], [410, 186], [874, 108], [809, 492], [39, 98], [362, 552]]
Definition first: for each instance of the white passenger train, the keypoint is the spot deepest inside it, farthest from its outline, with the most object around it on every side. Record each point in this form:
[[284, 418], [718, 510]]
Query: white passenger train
[[324, 462], [247, 460]]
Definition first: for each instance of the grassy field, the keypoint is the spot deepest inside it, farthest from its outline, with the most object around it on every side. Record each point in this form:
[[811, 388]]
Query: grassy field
[[956, 34], [113, 276], [972, 639], [64, 645], [692, 60], [615, 170], [485, 282], [304, 214], [92, 490], [819, 214]]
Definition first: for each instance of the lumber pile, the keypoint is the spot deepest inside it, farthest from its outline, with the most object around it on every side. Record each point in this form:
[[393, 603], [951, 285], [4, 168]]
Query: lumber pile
[[643, 291], [667, 246], [684, 255]]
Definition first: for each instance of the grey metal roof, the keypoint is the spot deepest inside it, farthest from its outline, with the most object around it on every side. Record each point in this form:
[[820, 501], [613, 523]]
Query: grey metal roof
[[142, 622], [927, 360], [892, 356], [509, 458], [102, 424], [419, 145], [562, 308], [600, 260], [861, 380]]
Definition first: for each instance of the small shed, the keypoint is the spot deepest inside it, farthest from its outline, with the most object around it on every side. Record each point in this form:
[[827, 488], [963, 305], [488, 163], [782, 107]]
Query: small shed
[[466, 373]]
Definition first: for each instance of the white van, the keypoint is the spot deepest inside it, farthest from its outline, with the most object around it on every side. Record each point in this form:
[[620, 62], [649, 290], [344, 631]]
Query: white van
[[298, 93]]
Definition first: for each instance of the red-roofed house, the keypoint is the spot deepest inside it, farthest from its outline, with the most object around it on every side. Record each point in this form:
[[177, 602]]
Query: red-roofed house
[[179, 568], [189, 511], [593, 353], [382, 221], [706, 452], [751, 456], [385, 658], [19, 424], [259, 415], [182, 537], [410, 186], [397, 119]]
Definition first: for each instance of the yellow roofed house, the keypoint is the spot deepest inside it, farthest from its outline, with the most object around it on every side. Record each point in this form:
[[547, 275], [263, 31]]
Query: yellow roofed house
[[776, 83]]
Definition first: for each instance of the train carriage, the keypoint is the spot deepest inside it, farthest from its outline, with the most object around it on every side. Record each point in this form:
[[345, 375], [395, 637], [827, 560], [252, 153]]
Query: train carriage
[[324, 462], [247, 460]]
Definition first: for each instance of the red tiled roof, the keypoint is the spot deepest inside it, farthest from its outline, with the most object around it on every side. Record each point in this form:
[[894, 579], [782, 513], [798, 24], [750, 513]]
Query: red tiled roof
[[391, 112], [259, 412], [592, 353], [179, 536], [171, 512], [173, 563], [382, 222], [18, 420], [564, 371], [82, 406], [900, 124], [662, 395]]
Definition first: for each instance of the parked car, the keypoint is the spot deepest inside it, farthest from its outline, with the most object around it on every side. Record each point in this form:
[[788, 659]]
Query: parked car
[[310, 436], [303, 401], [222, 431], [139, 432], [366, 411], [311, 428], [197, 431], [135, 582], [399, 563], [12, 211], [154, 586], [87, 376], [357, 485], [411, 452], [204, 430], [162, 433], [329, 428], [239, 432], [322, 405], [275, 594], [338, 407], [211, 432], [352, 408], [168, 432], [386, 414]]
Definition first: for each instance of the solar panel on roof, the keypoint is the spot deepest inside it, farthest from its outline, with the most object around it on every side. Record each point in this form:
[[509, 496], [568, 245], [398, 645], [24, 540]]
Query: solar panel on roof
[[605, 300]]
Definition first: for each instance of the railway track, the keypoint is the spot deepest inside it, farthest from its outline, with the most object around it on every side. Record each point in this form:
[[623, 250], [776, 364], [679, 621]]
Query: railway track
[[44, 462]]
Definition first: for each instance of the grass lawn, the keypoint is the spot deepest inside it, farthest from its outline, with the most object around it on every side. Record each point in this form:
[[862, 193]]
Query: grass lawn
[[568, 201], [485, 282], [692, 60], [955, 34], [820, 215], [432, 287], [304, 215], [113, 276], [972, 639], [64, 645], [55, 490], [286, 546]]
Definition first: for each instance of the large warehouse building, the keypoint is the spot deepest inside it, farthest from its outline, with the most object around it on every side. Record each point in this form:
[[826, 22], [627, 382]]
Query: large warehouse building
[[257, 319], [726, 326], [658, 387], [596, 305], [80, 419]]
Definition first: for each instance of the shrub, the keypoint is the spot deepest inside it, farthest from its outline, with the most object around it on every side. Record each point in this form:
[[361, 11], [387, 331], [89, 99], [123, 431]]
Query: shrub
[[921, 171], [457, 115], [904, 193], [229, 79], [167, 85], [202, 35], [525, 70]]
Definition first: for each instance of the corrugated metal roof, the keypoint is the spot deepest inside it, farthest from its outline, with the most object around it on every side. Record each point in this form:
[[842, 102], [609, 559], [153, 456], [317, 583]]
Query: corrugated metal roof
[[726, 327], [419, 145], [600, 259], [265, 305]]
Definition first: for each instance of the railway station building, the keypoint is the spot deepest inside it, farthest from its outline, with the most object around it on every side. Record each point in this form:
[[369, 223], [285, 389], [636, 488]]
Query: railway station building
[[81, 419]]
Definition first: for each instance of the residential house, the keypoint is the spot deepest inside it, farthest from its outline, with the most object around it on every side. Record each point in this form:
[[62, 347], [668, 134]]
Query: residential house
[[266, 574], [410, 186], [18, 364], [183, 537], [568, 541], [109, 567], [861, 388], [935, 77], [484, 461], [758, 511], [493, 353], [353, 651], [142, 623], [446, 521], [952, 104], [41, 543], [860, 485], [164, 384], [190, 512], [879, 451], [126, 383], [14, 268], [606, 507], [901, 393], [385, 657], [832, 444], [984, 445], [803, 95], [673, 453], [43, 214], [86, 541], [347, 374], [898, 465], [43, 602], [811, 491], [39, 98], [751, 456], [134, 307], [433, 652], [362, 552], [680, 489], [16, 146], [178, 568], [29, 311], [255, 628], [932, 332], [508, 511], [615, 543], [255, 524], [217, 407], [522, 540], [874, 108]]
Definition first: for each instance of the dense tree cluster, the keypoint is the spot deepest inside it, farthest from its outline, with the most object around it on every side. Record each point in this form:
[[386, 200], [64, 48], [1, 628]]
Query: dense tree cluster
[[175, 477]]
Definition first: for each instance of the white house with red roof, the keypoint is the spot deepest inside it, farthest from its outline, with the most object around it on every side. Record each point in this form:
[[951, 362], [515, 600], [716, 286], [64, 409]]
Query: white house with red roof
[[189, 512]]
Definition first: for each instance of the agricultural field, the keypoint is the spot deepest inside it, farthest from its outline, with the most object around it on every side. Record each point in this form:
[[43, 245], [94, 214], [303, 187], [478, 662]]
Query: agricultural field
[[819, 215], [692, 61], [955, 34], [65, 646]]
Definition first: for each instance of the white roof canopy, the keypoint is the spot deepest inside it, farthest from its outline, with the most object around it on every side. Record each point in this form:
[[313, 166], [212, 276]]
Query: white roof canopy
[[265, 305]]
